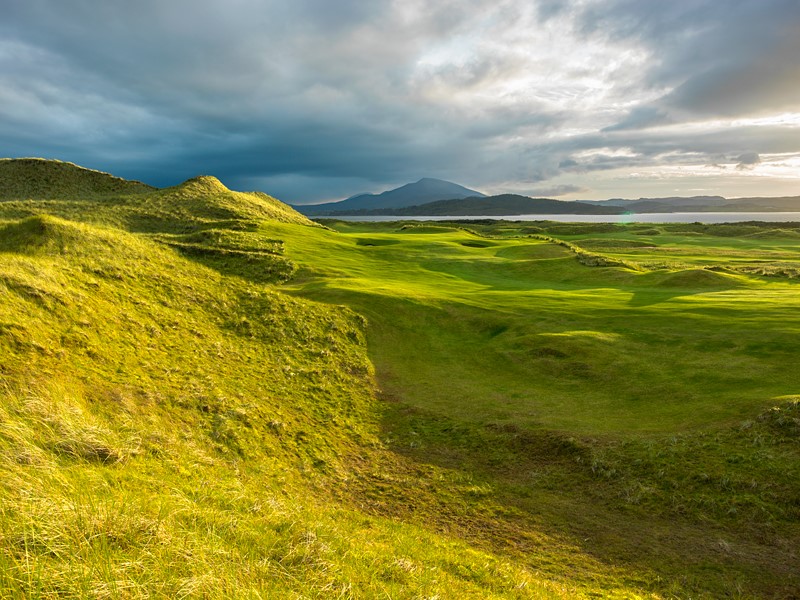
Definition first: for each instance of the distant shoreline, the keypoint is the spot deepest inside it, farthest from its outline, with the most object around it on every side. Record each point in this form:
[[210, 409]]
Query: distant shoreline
[[677, 217]]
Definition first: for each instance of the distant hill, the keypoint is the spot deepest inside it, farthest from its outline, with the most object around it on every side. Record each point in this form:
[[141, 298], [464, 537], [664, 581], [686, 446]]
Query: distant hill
[[421, 192], [704, 204], [503, 204]]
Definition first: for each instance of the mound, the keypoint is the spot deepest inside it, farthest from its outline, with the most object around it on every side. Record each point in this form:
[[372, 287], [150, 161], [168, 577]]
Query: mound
[[698, 278], [206, 197], [427, 229], [772, 233], [37, 178], [612, 243], [31, 186], [203, 184]]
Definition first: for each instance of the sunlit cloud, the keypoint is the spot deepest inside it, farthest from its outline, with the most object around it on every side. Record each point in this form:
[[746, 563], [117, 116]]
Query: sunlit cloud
[[316, 100]]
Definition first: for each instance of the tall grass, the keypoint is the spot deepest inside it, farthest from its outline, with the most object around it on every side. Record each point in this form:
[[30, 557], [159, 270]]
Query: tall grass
[[204, 395]]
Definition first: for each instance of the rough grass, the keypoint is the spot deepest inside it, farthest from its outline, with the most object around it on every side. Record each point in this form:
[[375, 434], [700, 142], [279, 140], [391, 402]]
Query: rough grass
[[35, 178], [623, 407], [204, 396]]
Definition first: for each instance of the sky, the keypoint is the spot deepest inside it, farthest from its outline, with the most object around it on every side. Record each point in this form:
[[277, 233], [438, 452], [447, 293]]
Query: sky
[[316, 100]]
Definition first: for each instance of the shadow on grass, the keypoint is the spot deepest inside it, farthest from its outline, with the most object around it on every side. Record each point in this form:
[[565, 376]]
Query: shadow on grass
[[663, 286], [566, 505]]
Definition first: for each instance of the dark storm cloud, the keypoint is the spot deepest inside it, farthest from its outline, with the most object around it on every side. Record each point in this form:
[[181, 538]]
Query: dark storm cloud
[[323, 99], [242, 89], [747, 160]]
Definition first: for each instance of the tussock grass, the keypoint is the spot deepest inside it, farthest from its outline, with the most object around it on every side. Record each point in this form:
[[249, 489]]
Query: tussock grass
[[203, 395]]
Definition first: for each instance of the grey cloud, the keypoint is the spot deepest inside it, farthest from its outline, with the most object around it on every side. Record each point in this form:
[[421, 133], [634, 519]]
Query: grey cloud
[[312, 96], [641, 117], [747, 160]]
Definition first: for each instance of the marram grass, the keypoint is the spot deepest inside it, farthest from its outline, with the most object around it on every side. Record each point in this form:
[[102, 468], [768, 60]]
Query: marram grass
[[204, 395]]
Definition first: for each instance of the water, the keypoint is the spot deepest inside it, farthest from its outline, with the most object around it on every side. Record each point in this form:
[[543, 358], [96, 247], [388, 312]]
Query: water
[[678, 217]]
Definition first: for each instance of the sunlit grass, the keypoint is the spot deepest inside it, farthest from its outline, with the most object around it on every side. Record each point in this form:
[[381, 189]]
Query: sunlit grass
[[204, 395]]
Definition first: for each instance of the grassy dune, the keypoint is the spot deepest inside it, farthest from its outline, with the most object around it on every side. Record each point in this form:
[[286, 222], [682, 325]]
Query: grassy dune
[[206, 395]]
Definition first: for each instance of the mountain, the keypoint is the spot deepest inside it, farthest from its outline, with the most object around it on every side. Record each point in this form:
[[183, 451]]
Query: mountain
[[503, 204], [421, 192]]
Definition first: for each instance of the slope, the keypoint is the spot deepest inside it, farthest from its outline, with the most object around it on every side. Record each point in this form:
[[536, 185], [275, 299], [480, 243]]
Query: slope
[[173, 430], [167, 431], [37, 178]]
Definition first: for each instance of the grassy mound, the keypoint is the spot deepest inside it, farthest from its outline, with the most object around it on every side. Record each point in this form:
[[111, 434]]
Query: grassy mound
[[37, 178], [36, 186], [698, 279], [206, 198]]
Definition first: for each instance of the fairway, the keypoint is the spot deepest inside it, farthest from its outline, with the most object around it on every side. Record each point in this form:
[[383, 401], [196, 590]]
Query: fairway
[[630, 387], [516, 330]]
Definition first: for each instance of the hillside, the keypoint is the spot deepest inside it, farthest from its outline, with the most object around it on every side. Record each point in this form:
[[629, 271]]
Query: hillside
[[205, 395], [36, 178], [33, 186], [172, 425], [504, 204], [423, 191]]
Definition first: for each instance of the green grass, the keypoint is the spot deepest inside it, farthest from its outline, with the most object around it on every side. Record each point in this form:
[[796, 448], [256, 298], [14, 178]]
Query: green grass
[[205, 395], [638, 394]]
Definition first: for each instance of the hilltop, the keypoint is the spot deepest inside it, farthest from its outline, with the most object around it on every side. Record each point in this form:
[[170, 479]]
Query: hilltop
[[37, 178]]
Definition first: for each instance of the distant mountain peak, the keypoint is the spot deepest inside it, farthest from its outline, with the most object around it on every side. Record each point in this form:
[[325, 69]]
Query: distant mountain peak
[[427, 189]]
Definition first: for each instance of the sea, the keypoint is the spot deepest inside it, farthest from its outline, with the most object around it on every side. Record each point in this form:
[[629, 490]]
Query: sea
[[677, 217]]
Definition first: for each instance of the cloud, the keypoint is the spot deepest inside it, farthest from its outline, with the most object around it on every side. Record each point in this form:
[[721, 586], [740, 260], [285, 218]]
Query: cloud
[[321, 100], [747, 160], [556, 190], [711, 58]]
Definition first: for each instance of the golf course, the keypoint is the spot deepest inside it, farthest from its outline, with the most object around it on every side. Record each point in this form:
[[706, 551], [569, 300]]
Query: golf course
[[205, 394]]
